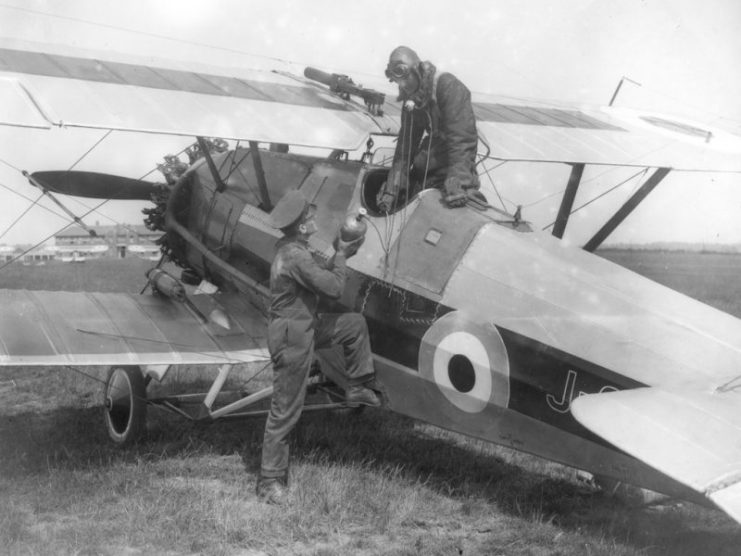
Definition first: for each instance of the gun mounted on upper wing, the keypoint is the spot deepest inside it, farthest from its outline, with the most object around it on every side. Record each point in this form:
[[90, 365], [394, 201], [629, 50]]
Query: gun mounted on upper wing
[[343, 86]]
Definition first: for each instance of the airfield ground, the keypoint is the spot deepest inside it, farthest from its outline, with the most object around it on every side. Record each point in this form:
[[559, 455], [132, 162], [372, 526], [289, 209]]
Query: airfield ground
[[369, 483]]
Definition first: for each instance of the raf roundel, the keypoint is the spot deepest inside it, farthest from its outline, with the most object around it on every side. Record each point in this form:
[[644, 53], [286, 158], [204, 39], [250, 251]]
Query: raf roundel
[[467, 361]]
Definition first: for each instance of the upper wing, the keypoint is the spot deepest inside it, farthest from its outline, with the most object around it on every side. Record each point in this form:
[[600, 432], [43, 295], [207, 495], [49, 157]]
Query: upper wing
[[79, 328], [40, 89], [693, 437], [616, 136]]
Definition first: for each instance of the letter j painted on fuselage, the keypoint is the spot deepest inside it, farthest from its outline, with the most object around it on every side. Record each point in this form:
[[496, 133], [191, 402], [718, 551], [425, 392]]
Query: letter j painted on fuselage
[[563, 405]]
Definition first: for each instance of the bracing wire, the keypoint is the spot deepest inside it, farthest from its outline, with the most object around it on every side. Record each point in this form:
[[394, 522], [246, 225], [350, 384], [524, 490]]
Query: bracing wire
[[488, 171], [560, 192], [85, 205], [142, 33], [35, 246], [28, 208], [287, 61], [22, 196], [241, 52], [12, 166], [232, 165], [237, 167], [91, 149], [610, 190], [178, 40], [47, 238]]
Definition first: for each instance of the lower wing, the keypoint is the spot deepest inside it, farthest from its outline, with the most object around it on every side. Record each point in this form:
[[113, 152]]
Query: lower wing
[[691, 436], [81, 328]]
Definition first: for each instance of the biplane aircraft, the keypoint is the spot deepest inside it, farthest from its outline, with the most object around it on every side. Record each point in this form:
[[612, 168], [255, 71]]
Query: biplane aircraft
[[479, 324]]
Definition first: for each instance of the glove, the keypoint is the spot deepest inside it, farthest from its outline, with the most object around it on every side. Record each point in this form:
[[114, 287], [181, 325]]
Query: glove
[[347, 248]]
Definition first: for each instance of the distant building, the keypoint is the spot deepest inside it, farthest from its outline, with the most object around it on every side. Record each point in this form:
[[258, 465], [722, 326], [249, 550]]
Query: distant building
[[7, 253], [38, 255], [75, 243], [27, 254]]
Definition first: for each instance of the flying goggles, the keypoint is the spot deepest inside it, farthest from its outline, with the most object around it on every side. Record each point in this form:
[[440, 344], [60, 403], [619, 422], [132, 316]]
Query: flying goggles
[[397, 70]]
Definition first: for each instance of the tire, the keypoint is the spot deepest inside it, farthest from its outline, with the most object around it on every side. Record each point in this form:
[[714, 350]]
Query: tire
[[125, 404]]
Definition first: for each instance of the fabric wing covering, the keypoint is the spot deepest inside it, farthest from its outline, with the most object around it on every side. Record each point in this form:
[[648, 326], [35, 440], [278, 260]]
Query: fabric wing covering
[[693, 436], [81, 328], [540, 132], [39, 89], [44, 88]]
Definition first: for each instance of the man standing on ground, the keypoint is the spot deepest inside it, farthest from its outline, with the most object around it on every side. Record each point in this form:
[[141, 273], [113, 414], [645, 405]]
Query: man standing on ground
[[295, 330]]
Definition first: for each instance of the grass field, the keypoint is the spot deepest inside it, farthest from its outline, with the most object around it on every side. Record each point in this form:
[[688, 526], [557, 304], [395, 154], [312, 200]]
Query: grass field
[[369, 483], [713, 278]]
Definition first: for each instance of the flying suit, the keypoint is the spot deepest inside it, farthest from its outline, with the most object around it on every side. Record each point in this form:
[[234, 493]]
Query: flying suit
[[438, 137], [295, 330]]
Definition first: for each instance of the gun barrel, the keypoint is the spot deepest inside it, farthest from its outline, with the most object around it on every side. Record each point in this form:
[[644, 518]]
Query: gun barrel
[[319, 75], [343, 86]]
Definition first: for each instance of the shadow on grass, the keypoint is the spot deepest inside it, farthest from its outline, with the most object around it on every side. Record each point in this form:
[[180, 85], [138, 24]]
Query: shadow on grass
[[467, 474], [33, 443]]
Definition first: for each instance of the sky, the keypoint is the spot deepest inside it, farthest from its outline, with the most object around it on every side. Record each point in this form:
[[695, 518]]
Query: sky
[[683, 53]]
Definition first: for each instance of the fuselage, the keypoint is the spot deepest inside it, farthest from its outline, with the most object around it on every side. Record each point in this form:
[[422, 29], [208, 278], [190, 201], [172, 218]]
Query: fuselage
[[478, 324]]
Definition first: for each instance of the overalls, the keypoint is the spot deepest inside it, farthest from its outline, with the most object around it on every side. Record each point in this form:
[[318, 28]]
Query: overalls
[[295, 331]]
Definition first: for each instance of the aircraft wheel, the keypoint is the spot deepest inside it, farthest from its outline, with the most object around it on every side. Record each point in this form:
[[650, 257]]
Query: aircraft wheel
[[125, 404]]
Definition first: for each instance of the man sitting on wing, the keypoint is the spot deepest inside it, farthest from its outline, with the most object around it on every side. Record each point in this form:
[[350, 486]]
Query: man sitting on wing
[[295, 330], [438, 138]]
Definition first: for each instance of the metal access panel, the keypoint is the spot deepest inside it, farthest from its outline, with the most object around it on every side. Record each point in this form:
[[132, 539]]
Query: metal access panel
[[433, 241]]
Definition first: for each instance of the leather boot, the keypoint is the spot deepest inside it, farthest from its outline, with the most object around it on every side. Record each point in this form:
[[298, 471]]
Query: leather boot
[[272, 490], [360, 395]]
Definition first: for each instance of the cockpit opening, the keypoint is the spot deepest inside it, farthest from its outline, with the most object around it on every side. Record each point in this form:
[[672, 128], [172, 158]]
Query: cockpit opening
[[372, 183]]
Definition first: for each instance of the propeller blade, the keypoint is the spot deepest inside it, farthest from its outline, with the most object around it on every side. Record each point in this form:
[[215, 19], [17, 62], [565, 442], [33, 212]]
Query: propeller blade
[[94, 185]]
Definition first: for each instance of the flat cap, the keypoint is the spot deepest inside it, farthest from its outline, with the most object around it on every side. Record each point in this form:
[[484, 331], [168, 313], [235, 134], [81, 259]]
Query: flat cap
[[289, 209]]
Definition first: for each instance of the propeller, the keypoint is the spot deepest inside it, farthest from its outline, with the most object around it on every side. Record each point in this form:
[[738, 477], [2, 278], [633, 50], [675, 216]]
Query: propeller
[[94, 185]]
